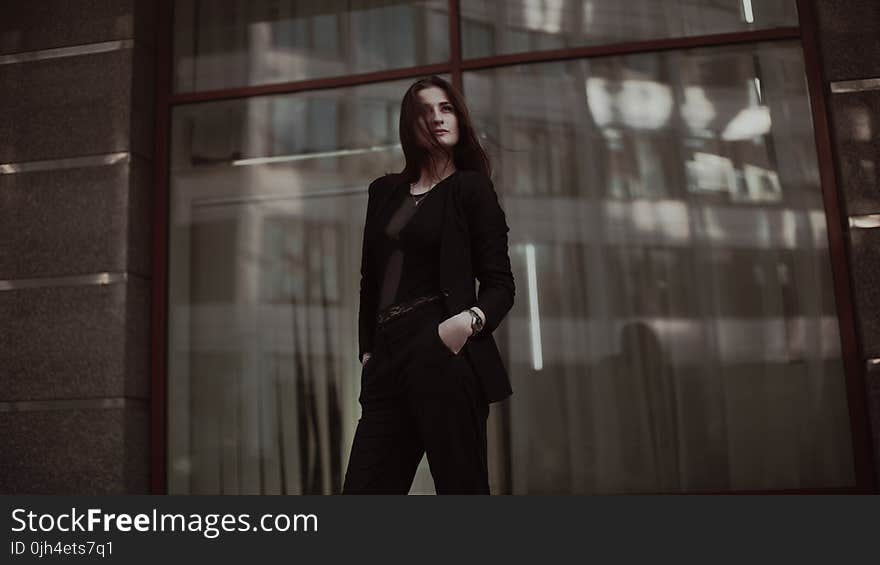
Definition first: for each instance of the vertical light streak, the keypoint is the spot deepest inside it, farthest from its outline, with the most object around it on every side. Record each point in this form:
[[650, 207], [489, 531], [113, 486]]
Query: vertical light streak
[[534, 311], [748, 14]]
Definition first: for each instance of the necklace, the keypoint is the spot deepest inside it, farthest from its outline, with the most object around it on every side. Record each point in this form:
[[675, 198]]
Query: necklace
[[417, 198]]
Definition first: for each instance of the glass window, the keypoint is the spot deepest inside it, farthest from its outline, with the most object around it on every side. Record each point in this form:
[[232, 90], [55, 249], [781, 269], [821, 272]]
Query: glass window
[[677, 330], [228, 43], [498, 27]]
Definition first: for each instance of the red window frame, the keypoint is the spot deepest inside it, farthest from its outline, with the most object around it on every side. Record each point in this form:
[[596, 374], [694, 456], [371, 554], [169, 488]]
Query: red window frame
[[817, 85]]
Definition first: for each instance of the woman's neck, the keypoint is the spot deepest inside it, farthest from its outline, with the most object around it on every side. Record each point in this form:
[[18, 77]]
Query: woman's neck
[[443, 170]]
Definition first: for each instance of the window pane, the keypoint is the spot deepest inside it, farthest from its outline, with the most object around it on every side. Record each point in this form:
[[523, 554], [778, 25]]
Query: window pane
[[231, 43], [496, 27], [677, 329], [268, 198]]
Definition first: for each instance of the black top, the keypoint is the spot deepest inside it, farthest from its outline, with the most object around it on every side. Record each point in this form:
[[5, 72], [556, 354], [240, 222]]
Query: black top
[[409, 245]]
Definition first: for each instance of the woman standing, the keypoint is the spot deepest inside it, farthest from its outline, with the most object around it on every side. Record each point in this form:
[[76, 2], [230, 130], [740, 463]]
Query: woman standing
[[430, 364]]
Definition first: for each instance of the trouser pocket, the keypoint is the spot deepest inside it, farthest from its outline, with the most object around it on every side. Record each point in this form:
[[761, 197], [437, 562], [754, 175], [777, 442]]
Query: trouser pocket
[[426, 349]]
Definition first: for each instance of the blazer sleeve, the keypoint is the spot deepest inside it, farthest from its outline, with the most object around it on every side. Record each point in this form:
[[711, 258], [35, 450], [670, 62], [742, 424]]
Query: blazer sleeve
[[488, 228], [368, 299]]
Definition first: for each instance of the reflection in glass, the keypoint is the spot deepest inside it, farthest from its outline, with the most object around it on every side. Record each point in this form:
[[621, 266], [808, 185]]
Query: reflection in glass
[[268, 198], [229, 43], [675, 329], [499, 27]]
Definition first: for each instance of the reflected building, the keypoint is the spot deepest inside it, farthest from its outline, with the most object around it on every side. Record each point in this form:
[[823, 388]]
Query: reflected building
[[678, 324]]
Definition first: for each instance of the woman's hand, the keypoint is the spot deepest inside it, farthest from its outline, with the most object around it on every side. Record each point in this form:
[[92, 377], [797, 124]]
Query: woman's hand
[[455, 331]]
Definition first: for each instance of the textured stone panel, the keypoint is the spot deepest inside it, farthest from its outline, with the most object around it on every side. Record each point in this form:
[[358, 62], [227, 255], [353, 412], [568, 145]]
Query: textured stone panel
[[93, 451], [873, 388], [143, 102], [856, 119], [849, 37], [66, 107], [140, 217], [48, 24], [866, 282], [64, 222], [88, 341]]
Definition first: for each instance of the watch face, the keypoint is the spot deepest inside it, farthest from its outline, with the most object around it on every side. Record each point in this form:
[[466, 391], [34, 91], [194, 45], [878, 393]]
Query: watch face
[[477, 322]]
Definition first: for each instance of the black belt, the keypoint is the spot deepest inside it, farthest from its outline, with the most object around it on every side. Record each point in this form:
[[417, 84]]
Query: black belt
[[396, 310]]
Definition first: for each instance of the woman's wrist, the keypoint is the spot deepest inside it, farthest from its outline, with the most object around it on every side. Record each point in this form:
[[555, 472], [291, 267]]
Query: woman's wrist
[[470, 320], [467, 319]]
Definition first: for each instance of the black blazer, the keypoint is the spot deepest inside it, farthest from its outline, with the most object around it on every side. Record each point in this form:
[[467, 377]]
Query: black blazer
[[473, 248]]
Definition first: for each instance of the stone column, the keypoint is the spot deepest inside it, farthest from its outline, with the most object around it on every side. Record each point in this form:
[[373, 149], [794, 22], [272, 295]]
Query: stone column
[[849, 42], [76, 144]]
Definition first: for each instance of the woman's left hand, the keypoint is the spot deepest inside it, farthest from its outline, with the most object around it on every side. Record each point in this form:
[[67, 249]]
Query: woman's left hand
[[455, 331]]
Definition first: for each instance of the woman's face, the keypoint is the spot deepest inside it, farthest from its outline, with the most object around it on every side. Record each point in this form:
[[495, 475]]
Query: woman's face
[[440, 115]]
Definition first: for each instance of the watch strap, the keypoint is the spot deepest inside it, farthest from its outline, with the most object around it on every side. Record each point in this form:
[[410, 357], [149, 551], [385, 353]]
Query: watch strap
[[476, 321]]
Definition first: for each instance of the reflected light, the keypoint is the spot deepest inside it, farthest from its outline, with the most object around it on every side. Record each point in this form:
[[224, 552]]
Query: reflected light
[[667, 221], [788, 231], [640, 104], [712, 225], [748, 124], [748, 14], [588, 13], [710, 172], [866, 222], [857, 123], [534, 313], [318, 155], [645, 104], [818, 228], [599, 101], [544, 15], [763, 185], [697, 110]]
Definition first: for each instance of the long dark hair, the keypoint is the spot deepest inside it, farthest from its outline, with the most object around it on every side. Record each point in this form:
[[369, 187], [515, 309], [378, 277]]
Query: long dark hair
[[467, 154]]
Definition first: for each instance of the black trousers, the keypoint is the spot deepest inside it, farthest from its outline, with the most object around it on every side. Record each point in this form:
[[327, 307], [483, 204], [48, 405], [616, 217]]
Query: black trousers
[[417, 397]]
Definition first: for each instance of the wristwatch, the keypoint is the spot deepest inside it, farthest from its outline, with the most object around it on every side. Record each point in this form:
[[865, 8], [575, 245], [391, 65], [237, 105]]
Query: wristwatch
[[476, 321]]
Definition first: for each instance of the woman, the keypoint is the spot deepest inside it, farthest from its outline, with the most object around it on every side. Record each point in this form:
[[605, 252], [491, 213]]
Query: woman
[[430, 364]]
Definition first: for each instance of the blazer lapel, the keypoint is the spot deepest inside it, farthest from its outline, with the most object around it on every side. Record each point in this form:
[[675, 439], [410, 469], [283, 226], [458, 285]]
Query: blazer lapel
[[452, 246]]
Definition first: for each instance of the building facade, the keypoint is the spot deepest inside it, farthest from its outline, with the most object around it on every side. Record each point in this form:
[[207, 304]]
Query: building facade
[[692, 191]]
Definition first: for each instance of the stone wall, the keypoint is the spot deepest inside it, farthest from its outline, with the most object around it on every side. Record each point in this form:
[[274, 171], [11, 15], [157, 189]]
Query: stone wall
[[76, 144]]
